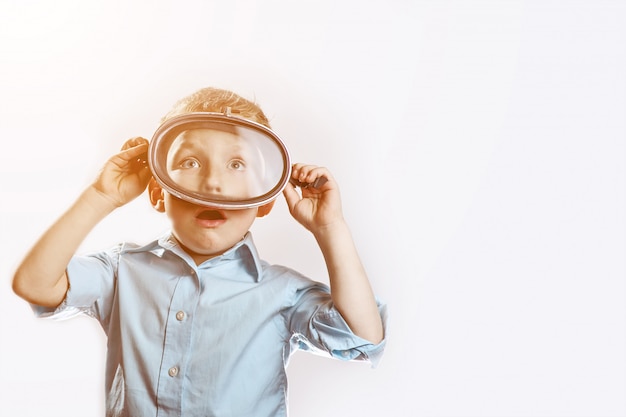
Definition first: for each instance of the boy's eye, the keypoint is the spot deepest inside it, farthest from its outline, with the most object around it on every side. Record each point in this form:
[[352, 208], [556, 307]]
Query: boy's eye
[[237, 164], [189, 163]]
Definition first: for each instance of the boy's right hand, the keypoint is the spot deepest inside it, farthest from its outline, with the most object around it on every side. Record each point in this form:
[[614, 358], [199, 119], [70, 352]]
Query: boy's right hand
[[126, 174], [42, 277]]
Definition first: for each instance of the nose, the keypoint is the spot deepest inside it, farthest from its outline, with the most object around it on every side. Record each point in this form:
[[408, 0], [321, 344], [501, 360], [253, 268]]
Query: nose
[[211, 181]]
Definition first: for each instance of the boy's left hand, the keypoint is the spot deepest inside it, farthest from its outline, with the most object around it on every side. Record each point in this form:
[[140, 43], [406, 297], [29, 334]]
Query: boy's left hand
[[314, 208]]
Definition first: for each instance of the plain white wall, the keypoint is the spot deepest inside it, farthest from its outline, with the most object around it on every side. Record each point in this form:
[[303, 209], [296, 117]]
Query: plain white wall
[[480, 148]]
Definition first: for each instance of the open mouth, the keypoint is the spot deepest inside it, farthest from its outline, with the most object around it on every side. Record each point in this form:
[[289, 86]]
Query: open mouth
[[211, 215]]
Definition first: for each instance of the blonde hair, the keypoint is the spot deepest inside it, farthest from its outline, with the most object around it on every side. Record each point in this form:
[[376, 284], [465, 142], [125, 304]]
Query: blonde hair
[[211, 99]]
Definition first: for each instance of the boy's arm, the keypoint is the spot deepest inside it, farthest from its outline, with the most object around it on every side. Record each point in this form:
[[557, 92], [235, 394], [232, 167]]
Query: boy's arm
[[41, 277], [319, 210]]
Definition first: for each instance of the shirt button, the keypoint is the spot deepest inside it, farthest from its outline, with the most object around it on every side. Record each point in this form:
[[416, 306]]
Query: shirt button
[[345, 353], [180, 316], [173, 371]]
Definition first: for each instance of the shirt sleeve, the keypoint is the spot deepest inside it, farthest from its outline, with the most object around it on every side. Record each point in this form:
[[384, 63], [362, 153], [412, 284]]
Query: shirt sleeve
[[91, 285], [316, 325]]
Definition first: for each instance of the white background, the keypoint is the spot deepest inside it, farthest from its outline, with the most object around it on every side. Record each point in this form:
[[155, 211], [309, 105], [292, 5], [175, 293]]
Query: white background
[[480, 147]]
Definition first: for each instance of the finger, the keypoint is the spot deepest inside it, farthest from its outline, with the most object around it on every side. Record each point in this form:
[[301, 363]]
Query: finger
[[315, 178], [309, 176], [291, 196], [132, 142], [144, 176], [132, 159], [299, 170], [137, 150], [315, 184]]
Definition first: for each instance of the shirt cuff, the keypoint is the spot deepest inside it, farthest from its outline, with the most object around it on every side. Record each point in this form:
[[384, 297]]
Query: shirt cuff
[[343, 344]]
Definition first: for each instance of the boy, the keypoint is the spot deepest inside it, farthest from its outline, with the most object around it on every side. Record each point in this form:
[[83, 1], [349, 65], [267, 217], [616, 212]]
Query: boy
[[197, 324]]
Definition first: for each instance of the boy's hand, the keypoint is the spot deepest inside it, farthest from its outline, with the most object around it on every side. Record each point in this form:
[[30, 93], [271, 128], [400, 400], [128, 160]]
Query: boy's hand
[[317, 208], [126, 174]]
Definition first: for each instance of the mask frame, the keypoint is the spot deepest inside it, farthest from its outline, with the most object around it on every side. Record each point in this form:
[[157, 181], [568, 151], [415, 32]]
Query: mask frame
[[171, 128]]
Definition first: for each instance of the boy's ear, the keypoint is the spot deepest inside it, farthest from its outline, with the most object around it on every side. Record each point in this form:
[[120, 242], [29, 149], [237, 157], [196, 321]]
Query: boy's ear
[[265, 209], [157, 198]]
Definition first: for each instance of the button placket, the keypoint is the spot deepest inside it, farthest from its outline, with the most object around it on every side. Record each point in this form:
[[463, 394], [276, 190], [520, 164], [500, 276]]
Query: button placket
[[178, 329]]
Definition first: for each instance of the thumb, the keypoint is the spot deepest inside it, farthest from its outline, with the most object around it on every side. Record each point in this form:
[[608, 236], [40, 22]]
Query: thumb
[[291, 196]]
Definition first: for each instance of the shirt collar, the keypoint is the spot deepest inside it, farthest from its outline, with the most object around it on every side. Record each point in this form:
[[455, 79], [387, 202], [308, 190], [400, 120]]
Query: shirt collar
[[245, 250]]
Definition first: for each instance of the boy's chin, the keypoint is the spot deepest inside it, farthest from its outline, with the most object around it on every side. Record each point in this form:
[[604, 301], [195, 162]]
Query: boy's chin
[[204, 253]]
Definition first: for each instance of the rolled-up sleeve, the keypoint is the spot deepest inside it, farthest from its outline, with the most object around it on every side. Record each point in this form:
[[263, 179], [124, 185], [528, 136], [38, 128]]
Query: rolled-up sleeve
[[316, 325], [91, 282]]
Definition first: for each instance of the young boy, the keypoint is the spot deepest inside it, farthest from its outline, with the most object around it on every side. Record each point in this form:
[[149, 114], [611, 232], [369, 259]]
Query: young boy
[[197, 324]]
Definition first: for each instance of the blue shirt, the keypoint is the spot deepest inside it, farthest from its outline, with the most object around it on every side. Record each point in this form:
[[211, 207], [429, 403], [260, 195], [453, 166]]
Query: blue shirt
[[207, 340]]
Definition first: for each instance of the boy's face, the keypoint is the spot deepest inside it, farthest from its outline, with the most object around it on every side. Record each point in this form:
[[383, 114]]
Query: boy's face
[[219, 165]]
